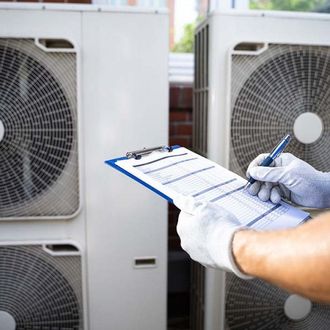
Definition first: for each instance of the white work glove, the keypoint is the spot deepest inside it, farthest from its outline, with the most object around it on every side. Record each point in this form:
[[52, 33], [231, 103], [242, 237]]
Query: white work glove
[[206, 231], [291, 178]]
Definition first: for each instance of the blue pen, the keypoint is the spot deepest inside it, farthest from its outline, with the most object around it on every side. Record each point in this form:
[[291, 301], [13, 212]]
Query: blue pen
[[272, 156]]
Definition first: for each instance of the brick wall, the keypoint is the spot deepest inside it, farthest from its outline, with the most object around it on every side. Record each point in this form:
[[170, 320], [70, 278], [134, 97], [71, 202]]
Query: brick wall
[[180, 133]]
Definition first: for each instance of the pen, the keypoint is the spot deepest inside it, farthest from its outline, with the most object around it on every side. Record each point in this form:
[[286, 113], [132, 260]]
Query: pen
[[271, 157]]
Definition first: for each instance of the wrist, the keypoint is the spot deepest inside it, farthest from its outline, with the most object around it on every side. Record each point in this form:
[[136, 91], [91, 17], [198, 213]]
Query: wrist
[[240, 247], [235, 266]]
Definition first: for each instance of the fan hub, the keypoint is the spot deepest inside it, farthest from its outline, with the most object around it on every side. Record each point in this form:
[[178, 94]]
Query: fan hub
[[2, 130], [308, 127], [297, 308], [7, 322]]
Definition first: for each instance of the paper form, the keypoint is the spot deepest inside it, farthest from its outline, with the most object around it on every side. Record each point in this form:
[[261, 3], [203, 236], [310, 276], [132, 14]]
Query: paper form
[[182, 172]]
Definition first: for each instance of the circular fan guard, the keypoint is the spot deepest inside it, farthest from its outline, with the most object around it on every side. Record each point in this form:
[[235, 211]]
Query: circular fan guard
[[279, 89], [38, 129], [255, 304], [35, 293]]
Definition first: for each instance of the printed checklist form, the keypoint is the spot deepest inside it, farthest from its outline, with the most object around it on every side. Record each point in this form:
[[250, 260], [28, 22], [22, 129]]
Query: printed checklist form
[[182, 172]]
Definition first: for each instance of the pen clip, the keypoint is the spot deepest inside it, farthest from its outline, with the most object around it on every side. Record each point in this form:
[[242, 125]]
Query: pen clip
[[138, 154]]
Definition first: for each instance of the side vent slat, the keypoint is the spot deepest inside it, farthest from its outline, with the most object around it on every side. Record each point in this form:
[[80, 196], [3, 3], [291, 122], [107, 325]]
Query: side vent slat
[[201, 83], [200, 120]]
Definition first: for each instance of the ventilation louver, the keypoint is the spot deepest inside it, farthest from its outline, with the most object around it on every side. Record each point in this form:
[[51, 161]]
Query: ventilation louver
[[283, 90], [201, 91], [38, 131], [39, 291]]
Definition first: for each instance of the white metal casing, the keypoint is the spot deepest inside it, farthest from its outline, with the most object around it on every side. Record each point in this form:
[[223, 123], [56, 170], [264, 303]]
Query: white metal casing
[[226, 30], [122, 93]]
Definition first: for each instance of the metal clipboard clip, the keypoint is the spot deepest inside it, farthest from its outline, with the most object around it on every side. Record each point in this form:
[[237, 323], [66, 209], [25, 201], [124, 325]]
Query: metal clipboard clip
[[138, 154]]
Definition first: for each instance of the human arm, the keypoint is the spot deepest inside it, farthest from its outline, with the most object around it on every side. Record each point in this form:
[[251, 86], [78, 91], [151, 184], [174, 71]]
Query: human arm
[[296, 259], [291, 178]]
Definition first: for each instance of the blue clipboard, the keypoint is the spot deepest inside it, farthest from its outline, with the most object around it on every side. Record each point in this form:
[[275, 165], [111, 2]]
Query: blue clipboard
[[293, 215], [143, 152]]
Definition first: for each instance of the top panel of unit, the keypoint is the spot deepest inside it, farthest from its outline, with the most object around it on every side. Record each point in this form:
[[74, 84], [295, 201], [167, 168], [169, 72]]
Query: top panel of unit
[[273, 14], [81, 8]]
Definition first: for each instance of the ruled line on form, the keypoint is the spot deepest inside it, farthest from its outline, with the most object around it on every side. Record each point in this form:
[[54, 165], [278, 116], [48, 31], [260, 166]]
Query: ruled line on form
[[187, 175], [170, 165], [213, 187], [227, 194]]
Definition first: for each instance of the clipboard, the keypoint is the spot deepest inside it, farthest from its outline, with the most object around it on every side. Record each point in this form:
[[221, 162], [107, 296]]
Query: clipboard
[[138, 154], [185, 173]]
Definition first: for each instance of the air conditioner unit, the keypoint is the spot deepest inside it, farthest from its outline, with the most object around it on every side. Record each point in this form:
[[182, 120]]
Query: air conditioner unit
[[260, 75], [80, 246]]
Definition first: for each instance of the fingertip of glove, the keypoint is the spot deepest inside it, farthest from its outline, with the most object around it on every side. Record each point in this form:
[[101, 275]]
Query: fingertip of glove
[[181, 201], [263, 195], [253, 189], [186, 204], [275, 196]]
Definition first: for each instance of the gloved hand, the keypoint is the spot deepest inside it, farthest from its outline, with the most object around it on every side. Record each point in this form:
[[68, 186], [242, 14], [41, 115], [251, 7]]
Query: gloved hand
[[292, 178], [206, 231]]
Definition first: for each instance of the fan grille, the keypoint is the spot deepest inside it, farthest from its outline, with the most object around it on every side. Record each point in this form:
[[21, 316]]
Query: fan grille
[[39, 291], [255, 304], [38, 149], [269, 92]]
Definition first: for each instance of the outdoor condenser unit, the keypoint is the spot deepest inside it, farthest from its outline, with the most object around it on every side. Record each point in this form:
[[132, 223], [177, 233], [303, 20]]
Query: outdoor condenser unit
[[259, 76], [81, 247]]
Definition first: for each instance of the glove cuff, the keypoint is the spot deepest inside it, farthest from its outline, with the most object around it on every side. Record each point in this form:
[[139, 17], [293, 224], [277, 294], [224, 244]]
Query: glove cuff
[[222, 252], [234, 267]]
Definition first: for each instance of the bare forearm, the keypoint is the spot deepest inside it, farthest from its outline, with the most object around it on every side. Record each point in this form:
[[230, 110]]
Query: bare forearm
[[296, 259]]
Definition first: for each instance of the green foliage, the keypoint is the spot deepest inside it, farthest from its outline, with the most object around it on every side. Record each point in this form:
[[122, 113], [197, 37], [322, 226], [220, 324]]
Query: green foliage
[[294, 5], [186, 43]]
